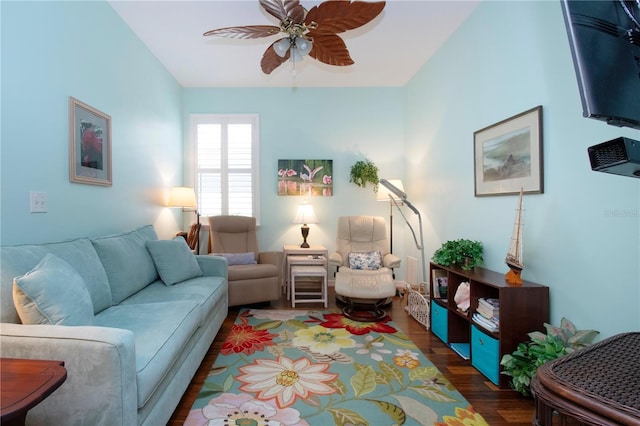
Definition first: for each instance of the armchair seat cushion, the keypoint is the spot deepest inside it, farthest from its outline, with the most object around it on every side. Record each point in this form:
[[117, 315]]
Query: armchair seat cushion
[[250, 272], [362, 284]]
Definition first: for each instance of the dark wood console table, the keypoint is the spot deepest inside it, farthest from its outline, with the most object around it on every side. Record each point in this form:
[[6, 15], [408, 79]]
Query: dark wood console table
[[596, 385], [24, 384]]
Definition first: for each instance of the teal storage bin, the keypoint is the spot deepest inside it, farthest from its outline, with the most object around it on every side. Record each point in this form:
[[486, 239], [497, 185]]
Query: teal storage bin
[[439, 324], [485, 351]]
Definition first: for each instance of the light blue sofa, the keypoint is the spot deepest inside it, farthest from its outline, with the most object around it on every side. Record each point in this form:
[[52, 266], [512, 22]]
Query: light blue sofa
[[132, 317]]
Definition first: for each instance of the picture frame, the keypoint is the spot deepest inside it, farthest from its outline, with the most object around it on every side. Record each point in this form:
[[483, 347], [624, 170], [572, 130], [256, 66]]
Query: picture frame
[[508, 156], [306, 178], [89, 145], [438, 280]]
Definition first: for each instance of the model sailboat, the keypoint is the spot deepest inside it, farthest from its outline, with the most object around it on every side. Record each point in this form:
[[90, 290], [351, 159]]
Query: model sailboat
[[514, 255]]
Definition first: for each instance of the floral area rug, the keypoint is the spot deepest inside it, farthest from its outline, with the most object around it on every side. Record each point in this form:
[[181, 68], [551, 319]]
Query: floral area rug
[[320, 368]]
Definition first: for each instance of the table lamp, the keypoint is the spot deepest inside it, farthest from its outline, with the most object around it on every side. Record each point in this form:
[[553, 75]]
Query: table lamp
[[305, 215]]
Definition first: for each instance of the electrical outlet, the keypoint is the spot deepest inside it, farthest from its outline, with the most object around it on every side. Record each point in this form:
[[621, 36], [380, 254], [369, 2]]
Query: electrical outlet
[[38, 202]]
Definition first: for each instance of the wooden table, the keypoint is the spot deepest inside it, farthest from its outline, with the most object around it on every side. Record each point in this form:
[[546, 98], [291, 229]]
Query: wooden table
[[24, 384]]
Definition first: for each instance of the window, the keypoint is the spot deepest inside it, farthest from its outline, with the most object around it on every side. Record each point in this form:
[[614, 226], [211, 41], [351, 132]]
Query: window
[[226, 162]]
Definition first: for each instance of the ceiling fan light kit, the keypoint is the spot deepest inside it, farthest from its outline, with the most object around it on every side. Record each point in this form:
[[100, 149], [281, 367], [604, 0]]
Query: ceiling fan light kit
[[313, 33]]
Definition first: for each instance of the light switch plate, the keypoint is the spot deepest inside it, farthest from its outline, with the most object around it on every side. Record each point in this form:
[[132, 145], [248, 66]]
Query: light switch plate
[[38, 202]]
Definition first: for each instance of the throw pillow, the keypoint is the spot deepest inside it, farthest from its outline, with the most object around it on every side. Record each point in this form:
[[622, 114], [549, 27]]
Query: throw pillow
[[238, 258], [369, 260], [52, 293], [174, 260]]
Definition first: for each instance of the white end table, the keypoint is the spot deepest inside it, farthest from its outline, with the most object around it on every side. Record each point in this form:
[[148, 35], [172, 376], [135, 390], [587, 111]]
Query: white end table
[[298, 256]]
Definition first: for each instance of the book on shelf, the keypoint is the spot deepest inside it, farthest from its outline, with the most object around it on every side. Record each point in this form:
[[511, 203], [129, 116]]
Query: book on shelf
[[484, 312], [489, 324], [489, 308], [489, 303]]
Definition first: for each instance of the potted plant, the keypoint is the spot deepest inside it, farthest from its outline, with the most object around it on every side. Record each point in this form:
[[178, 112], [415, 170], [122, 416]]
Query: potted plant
[[363, 172], [463, 252], [522, 364]]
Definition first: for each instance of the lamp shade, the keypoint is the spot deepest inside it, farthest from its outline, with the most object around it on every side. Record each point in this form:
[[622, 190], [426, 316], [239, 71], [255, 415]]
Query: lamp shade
[[384, 194], [305, 214], [181, 196]]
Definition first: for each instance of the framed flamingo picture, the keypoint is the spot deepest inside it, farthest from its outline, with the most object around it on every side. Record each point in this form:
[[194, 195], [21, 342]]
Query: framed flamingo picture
[[89, 144], [305, 178]]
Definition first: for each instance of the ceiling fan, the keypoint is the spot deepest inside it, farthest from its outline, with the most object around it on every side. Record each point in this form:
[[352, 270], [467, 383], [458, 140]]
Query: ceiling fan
[[313, 32]]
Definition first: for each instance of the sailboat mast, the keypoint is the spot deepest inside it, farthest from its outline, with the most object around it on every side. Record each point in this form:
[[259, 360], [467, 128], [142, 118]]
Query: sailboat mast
[[518, 227]]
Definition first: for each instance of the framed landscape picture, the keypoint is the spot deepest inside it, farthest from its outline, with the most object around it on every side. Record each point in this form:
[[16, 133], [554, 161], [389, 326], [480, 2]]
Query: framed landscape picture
[[89, 144], [508, 156]]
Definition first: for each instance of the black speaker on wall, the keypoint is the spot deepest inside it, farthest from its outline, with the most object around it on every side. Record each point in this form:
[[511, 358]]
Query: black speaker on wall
[[620, 156]]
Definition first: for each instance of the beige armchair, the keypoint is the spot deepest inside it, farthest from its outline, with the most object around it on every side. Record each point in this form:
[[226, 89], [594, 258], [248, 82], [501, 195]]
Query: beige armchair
[[364, 277], [254, 276], [362, 234]]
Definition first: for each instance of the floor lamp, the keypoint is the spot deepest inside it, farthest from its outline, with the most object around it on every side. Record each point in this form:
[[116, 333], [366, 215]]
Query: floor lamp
[[185, 198], [384, 194], [399, 197]]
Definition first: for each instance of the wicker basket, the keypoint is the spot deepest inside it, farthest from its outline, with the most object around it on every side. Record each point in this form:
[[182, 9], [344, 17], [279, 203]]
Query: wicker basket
[[418, 303]]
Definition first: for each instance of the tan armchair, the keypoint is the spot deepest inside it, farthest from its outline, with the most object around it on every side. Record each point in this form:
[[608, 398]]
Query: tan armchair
[[364, 277], [235, 237]]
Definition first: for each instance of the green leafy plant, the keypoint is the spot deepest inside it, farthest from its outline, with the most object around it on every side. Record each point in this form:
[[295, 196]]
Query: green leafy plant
[[522, 364], [363, 172], [463, 252]]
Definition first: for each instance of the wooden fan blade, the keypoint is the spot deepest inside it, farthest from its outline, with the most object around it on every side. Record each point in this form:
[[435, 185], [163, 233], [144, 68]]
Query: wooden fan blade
[[271, 60], [330, 49], [337, 16], [297, 14], [280, 10], [246, 32]]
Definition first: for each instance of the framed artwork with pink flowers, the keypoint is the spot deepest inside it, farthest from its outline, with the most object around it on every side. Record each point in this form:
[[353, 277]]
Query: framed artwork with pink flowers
[[305, 178], [89, 144]]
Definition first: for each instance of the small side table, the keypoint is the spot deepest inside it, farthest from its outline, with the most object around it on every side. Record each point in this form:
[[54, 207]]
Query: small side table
[[296, 255], [302, 272], [24, 384]]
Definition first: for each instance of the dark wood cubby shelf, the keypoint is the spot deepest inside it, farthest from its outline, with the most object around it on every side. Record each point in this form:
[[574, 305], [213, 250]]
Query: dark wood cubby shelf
[[523, 308]]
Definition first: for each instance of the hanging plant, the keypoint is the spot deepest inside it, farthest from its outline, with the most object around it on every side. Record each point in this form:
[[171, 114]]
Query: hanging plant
[[363, 172]]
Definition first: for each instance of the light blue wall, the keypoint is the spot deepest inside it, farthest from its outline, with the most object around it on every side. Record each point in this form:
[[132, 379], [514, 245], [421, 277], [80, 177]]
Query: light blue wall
[[582, 236], [343, 125], [53, 50]]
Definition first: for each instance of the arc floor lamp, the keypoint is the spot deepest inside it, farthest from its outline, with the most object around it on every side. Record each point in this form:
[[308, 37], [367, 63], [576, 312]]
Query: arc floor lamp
[[400, 197]]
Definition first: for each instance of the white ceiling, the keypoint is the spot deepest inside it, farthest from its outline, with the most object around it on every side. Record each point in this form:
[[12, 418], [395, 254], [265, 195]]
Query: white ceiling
[[387, 51]]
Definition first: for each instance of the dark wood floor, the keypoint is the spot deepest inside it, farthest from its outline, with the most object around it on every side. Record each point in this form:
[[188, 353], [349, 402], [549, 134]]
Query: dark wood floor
[[497, 406]]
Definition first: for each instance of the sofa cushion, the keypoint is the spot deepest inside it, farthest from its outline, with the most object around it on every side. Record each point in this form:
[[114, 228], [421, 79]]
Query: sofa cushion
[[80, 254], [161, 332], [370, 260], [52, 293], [239, 258], [174, 261], [205, 291], [127, 261]]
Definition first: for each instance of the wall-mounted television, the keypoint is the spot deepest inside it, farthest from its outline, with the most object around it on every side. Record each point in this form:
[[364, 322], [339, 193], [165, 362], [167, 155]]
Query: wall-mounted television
[[604, 37]]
